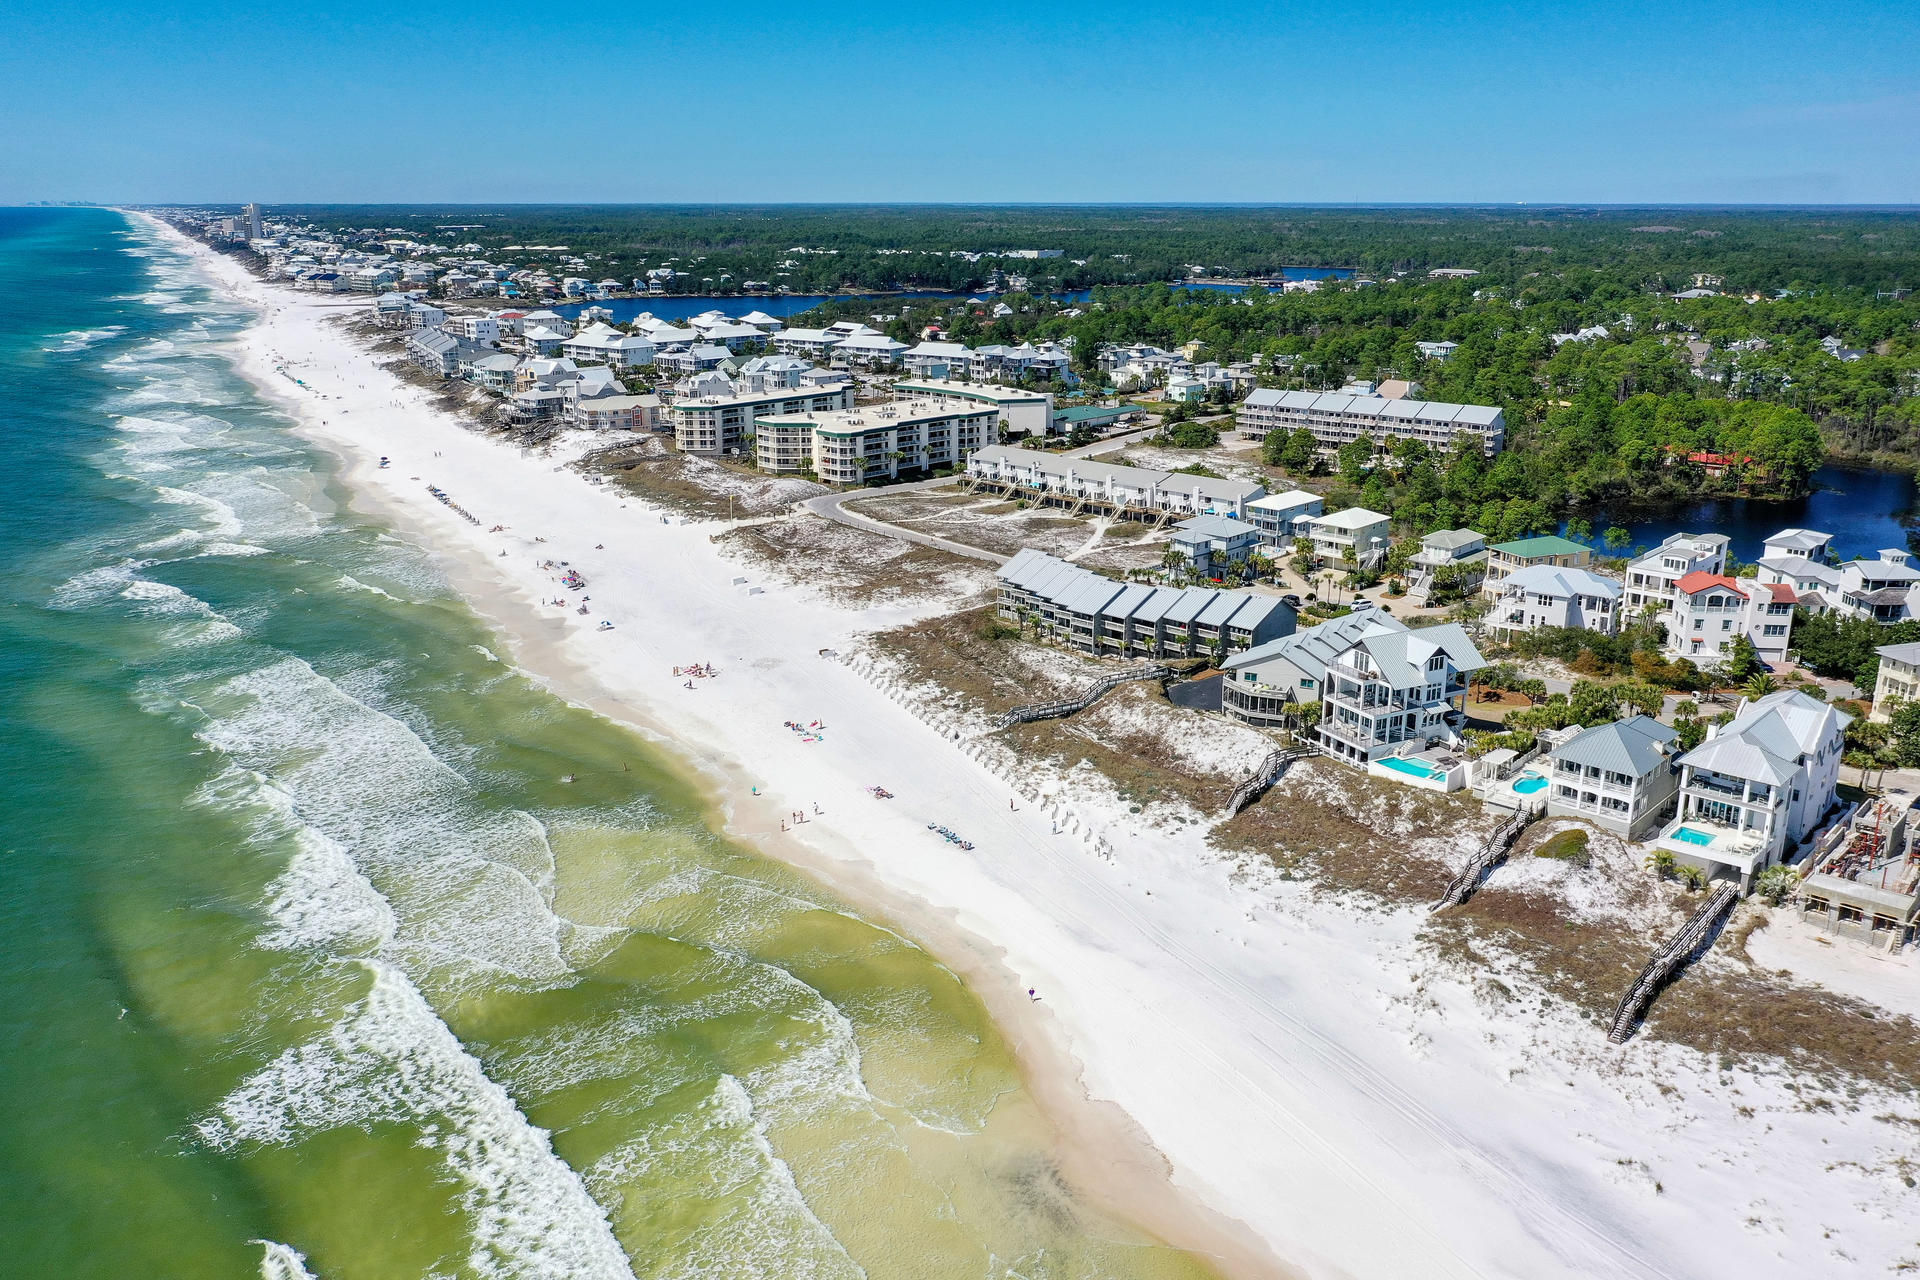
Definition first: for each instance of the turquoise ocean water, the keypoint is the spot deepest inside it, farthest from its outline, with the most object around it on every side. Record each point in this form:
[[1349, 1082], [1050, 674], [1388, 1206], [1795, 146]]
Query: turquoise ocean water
[[314, 965]]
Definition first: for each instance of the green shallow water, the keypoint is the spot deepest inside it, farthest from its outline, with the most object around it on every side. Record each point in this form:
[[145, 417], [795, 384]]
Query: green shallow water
[[316, 966]]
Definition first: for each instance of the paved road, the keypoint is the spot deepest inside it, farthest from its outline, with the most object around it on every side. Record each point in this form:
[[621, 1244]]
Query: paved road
[[833, 507]]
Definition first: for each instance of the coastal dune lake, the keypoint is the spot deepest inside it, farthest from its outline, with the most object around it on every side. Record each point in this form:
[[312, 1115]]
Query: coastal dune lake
[[336, 947]]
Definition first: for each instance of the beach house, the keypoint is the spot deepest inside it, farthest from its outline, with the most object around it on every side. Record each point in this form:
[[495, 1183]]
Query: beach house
[[1212, 544], [1758, 786], [1711, 611], [1651, 577], [1504, 558], [1355, 535], [1898, 680], [1282, 518], [1544, 595], [1620, 776], [1452, 558]]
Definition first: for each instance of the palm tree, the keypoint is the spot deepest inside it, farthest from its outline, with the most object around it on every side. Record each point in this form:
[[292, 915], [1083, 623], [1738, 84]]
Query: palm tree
[[1759, 685]]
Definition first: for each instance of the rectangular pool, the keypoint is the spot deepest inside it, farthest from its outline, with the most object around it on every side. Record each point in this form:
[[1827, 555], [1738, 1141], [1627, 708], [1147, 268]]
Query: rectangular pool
[[1687, 835], [1414, 767]]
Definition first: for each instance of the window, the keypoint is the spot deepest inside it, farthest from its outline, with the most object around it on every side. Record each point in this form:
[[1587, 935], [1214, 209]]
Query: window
[[1306, 682]]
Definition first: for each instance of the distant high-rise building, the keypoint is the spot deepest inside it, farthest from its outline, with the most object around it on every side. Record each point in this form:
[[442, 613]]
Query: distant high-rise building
[[254, 231]]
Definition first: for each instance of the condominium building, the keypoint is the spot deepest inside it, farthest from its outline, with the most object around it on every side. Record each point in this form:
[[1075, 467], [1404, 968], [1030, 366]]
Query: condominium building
[[1620, 777], [1124, 491], [1098, 615], [714, 425], [873, 443], [1337, 418], [1757, 786], [1212, 543], [1382, 686], [1877, 590], [1651, 578], [1021, 412]]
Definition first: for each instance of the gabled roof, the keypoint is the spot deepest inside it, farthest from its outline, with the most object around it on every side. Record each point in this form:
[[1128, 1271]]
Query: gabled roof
[[1907, 653], [1288, 501], [1635, 746], [1216, 527]]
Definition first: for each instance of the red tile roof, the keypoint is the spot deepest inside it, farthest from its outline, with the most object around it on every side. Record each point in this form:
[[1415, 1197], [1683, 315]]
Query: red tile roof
[[1699, 580]]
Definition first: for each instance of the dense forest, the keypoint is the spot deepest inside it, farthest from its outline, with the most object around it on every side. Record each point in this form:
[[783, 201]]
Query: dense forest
[[888, 246]]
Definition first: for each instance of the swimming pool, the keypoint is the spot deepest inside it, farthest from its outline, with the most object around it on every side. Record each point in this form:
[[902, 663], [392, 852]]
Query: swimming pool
[[1414, 767], [1687, 835], [1528, 783]]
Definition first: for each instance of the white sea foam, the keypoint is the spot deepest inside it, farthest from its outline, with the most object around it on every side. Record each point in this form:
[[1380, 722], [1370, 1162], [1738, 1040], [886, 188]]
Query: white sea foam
[[391, 1061], [234, 549], [350, 583], [469, 885], [282, 1262], [755, 1222], [81, 339]]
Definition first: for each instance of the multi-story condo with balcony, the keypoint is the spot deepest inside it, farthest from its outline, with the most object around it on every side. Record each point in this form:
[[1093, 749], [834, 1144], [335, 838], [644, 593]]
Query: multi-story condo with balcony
[[1338, 418], [1758, 786], [713, 425], [1620, 776], [1128, 492], [1382, 687], [858, 446], [1651, 578], [1021, 412], [1544, 595], [1099, 616]]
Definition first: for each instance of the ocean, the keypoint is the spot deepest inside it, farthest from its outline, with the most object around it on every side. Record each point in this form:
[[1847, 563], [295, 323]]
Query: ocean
[[337, 947]]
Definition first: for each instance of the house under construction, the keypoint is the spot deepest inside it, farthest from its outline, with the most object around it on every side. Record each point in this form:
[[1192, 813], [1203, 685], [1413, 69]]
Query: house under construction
[[1865, 885]]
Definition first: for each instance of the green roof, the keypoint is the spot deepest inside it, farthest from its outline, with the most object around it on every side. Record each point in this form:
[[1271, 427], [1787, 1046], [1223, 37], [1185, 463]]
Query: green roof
[[1537, 548], [1082, 413]]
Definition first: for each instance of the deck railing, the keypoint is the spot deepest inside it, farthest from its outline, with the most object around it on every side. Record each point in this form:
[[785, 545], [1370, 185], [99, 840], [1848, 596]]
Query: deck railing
[[1668, 960], [1090, 695]]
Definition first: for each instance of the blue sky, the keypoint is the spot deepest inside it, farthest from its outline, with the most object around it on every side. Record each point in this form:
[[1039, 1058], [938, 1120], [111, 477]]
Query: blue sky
[[1469, 101]]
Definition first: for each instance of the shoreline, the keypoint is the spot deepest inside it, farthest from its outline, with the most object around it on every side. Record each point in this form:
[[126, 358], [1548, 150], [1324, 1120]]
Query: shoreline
[[1104, 1153], [1286, 1074]]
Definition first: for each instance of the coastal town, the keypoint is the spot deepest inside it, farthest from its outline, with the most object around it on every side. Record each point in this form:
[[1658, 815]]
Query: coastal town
[[1150, 592], [1731, 773]]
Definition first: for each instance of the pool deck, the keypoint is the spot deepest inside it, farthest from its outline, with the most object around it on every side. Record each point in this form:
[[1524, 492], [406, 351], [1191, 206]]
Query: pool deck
[[1449, 770]]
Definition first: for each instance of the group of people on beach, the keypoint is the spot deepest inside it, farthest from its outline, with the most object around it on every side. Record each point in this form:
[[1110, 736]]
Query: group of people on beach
[[813, 731], [698, 671]]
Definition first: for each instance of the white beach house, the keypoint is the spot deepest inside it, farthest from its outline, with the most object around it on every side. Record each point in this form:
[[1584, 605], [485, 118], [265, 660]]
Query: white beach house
[[1544, 595], [1620, 776], [1758, 786]]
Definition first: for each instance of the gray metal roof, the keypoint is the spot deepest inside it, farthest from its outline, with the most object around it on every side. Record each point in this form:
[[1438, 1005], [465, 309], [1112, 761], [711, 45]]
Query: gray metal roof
[[1635, 746]]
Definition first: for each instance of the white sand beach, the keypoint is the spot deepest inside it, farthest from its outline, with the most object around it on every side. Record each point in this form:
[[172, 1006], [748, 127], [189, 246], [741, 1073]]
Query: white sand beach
[[1320, 1097]]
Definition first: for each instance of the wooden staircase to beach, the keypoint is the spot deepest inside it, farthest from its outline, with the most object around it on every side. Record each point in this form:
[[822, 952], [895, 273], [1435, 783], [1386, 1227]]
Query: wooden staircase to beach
[[1485, 859], [1669, 960], [1086, 698]]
